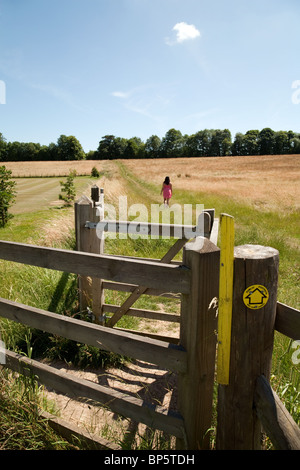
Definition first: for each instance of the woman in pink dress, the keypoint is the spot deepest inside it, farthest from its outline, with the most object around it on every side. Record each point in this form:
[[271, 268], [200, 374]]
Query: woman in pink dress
[[166, 190]]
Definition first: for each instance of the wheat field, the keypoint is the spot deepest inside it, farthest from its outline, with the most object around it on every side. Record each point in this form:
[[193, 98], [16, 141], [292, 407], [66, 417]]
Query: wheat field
[[267, 182]]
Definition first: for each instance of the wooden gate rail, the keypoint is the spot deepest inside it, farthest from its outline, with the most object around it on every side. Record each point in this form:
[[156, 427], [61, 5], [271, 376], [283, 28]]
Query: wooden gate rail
[[141, 313], [118, 402], [174, 278], [287, 321], [276, 420], [164, 354], [122, 287]]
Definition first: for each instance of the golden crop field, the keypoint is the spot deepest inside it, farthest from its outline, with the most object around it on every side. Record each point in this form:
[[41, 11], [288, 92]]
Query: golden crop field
[[266, 182], [271, 182]]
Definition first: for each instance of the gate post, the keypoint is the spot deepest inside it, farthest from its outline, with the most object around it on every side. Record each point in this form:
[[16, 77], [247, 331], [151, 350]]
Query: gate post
[[91, 292], [198, 337], [252, 334]]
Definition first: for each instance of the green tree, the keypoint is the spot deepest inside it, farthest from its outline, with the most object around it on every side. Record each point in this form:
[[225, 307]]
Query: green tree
[[69, 148], [152, 147], [238, 144], [251, 142], [281, 143], [172, 144], [266, 141], [220, 143], [3, 148], [91, 155], [295, 144], [111, 147], [7, 194], [134, 148], [68, 188]]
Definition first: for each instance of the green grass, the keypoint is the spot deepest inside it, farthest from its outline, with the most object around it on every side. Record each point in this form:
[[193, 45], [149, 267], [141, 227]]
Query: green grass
[[21, 426]]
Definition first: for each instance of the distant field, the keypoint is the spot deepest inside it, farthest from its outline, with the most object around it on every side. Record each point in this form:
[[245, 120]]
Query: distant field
[[270, 182], [266, 182], [35, 194], [61, 168]]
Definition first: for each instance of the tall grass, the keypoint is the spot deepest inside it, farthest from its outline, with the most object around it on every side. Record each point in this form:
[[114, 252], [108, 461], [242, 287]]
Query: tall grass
[[22, 428]]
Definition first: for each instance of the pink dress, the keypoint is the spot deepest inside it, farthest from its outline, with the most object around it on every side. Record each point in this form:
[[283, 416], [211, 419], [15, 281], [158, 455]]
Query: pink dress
[[167, 191]]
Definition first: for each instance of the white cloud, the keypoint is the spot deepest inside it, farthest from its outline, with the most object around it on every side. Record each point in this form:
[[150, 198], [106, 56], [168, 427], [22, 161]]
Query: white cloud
[[184, 32], [120, 94]]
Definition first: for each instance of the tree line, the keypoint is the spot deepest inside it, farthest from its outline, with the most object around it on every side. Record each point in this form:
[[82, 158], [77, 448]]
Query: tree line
[[204, 143]]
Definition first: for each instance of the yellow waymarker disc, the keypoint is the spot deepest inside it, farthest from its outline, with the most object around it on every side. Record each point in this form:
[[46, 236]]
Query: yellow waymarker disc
[[256, 296]]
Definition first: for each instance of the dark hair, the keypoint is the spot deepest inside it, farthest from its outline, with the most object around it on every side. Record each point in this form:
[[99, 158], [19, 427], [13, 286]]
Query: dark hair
[[167, 180]]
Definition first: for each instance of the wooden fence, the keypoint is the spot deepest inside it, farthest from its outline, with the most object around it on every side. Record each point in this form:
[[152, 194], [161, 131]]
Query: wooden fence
[[243, 404]]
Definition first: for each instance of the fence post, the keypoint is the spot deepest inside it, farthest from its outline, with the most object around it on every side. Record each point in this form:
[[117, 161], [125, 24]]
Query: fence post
[[198, 337], [82, 214], [91, 293], [252, 336]]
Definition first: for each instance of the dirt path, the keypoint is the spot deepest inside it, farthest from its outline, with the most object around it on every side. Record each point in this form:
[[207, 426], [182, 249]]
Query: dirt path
[[138, 379]]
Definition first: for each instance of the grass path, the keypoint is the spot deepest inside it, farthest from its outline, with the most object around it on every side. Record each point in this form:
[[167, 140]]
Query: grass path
[[253, 225]]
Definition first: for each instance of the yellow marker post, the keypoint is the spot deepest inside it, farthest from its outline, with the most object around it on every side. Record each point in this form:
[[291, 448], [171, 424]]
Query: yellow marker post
[[225, 297]]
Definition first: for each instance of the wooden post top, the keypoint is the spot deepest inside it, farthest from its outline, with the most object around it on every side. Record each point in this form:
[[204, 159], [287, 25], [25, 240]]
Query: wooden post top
[[255, 252], [84, 200]]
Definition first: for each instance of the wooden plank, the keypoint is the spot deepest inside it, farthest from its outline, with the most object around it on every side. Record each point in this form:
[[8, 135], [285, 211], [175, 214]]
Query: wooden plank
[[276, 420], [150, 314], [287, 321], [150, 274], [168, 339], [69, 431], [166, 355], [118, 402], [119, 286], [225, 298], [140, 290], [141, 258], [148, 229]]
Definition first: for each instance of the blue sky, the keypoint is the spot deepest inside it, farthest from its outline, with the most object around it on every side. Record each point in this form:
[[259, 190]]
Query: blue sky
[[141, 67]]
